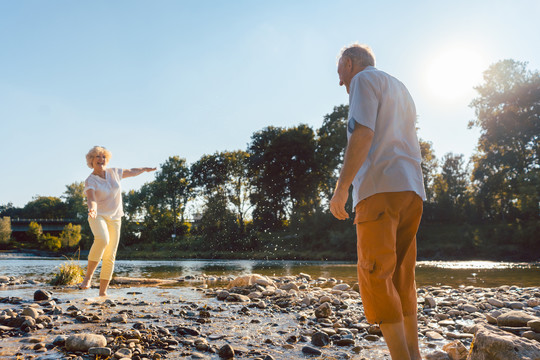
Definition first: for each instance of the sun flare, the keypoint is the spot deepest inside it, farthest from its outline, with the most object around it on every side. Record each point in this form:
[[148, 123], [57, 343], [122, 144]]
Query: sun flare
[[452, 72]]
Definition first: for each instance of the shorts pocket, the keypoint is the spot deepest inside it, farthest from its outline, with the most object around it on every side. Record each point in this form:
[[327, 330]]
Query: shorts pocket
[[368, 210]]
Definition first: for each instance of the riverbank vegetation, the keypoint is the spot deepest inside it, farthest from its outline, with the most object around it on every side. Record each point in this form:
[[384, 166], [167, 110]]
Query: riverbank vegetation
[[270, 200]]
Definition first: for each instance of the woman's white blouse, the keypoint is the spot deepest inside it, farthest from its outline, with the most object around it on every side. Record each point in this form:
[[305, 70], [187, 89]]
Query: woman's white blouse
[[108, 193]]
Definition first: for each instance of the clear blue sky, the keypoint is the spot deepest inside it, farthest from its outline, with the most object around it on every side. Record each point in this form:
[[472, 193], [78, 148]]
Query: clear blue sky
[[152, 79]]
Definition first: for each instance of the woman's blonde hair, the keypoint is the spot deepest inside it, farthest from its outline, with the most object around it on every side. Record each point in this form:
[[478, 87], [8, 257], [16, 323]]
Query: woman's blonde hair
[[96, 150]]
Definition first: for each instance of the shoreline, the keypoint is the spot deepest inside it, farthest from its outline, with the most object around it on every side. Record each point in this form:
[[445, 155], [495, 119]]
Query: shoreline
[[254, 316]]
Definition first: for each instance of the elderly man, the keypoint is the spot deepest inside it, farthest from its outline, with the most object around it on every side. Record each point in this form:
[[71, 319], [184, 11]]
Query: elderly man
[[382, 162]]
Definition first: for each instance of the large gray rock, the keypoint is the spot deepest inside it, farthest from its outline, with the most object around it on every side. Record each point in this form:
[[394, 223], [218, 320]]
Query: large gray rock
[[83, 342], [498, 345], [515, 319]]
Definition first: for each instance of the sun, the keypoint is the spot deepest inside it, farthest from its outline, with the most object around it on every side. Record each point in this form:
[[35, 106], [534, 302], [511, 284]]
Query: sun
[[453, 71]]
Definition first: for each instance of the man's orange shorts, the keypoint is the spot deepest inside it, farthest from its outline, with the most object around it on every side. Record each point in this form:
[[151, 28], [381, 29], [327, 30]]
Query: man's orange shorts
[[386, 226]]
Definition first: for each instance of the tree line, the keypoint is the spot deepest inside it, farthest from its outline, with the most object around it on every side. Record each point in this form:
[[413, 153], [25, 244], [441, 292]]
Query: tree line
[[272, 197]]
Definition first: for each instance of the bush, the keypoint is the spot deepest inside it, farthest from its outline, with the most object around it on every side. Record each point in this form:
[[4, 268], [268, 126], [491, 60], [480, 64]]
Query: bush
[[51, 243], [5, 230], [70, 273]]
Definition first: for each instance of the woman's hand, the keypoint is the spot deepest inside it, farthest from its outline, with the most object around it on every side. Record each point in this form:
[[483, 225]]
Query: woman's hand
[[92, 214]]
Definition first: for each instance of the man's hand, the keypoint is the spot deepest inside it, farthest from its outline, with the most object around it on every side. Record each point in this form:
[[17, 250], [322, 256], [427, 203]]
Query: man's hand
[[337, 204]]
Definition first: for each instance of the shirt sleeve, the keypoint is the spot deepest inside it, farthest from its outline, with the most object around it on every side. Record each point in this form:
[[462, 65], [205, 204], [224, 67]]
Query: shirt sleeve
[[119, 172], [363, 103], [89, 185]]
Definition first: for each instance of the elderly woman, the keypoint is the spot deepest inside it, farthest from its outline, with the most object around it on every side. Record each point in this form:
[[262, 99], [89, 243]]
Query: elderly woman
[[104, 198]]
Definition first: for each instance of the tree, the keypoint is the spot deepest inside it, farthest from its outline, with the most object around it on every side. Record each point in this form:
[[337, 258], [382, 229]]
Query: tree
[[71, 235], [225, 173], [429, 167], [34, 232], [75, 201], [331, 144], [450, 188], [507, 162], [45, 207], [172, 188], [285, 175], [5, 230]]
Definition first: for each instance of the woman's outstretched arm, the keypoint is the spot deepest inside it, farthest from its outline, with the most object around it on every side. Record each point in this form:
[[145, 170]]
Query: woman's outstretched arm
[[135, 171]]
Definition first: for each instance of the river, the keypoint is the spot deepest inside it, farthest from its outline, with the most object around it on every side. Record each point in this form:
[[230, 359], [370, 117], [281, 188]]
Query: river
[[434, 273]]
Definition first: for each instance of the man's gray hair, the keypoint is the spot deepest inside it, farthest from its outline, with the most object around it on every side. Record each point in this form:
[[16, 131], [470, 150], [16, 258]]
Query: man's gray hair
[[361, 55]]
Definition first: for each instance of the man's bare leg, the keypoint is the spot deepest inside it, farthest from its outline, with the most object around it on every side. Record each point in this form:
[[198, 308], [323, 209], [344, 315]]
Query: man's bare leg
[[103, 286], [411, 335], [394, 335], [90, 269]]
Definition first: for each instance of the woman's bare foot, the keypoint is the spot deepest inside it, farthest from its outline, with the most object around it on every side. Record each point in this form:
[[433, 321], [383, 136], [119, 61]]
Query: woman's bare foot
[[85, 284]]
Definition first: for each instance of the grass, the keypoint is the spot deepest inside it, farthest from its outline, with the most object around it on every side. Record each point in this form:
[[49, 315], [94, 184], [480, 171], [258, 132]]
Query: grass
[[70, 273]]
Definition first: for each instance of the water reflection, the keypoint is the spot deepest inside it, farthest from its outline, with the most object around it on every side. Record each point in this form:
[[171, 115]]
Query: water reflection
[[453, 273]]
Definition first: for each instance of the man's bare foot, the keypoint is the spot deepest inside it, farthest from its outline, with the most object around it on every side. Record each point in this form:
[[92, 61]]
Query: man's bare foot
[[104, 294]]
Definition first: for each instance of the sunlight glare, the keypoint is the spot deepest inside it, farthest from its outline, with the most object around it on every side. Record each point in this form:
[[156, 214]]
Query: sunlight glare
[[452, 73]]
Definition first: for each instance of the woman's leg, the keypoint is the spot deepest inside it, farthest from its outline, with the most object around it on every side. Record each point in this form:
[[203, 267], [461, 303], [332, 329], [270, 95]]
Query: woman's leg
[[109, 255], [90, 269], [101, 239]]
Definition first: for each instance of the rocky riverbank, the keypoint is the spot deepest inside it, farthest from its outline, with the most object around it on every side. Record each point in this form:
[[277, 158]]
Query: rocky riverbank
[[256, 317]]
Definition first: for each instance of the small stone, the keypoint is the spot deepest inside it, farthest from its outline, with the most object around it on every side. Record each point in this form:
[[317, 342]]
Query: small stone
[[226, 352], [41, 295], [495, 302], [320, 339], [534, 325], [323, 311], [83, 342], [345, 342], [430, 302], [456, 350], [437, 355], [470, 308], [433, 335], [123, 353], [514, 318], [311, 351], [100, 351], [29, 311], [122, 318]]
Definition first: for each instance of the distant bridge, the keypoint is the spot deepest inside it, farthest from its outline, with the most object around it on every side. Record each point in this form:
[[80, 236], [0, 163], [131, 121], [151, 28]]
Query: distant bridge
[[48, 225]]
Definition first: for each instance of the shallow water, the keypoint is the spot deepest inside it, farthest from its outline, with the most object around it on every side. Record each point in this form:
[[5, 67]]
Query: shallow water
[[475, 273], [428, 273]]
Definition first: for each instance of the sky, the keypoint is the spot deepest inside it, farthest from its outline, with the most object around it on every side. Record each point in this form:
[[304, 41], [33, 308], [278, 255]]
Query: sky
[[154, 79]]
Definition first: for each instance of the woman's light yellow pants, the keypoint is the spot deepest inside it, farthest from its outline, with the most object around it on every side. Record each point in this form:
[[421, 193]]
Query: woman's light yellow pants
[[106, 236]]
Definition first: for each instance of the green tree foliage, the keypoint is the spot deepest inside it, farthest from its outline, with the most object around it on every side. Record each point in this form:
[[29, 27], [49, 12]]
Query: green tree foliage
[[331, 144], [75, 201], [218, 225], [70, 236], [450, 188], [285, 175], [34, 233], [429, 167], [507, 162], [45, 207], [51, 243], [5, 230], [172, 189], [225, 174]]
